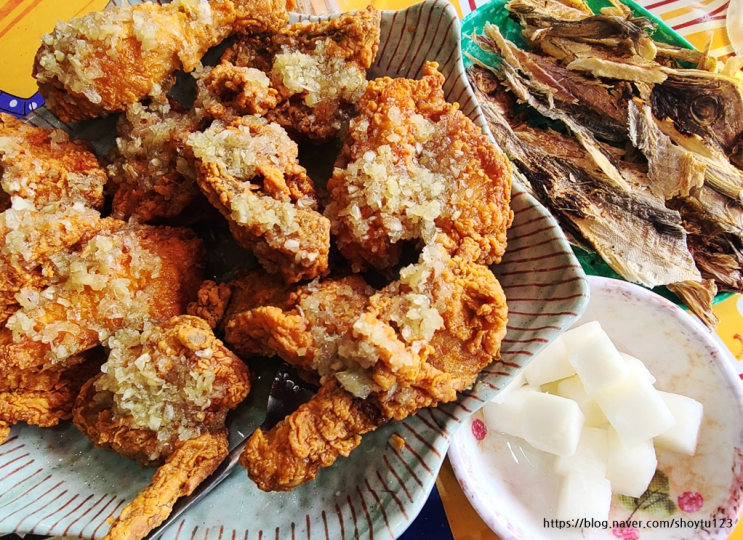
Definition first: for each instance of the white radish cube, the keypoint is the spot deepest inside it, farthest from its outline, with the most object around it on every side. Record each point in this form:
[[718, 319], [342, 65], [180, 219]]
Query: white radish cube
[[572, 388], [590, 457], [517, 382], [595, 358], [549, 365], [584, 496], [635, 409], [629, 468], [683, 436], [552, 424], [506, 417], [635, 364]]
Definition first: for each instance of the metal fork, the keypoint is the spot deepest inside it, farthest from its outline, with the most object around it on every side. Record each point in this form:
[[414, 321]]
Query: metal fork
[[287, 393]]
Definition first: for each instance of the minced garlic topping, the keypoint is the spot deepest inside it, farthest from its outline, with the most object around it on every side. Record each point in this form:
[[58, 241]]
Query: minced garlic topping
[[324, 78], [155, 389], [107, 269], [405, 185]]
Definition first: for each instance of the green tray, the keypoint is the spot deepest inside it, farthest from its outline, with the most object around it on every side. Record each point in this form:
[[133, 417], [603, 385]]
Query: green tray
[[495, 13]]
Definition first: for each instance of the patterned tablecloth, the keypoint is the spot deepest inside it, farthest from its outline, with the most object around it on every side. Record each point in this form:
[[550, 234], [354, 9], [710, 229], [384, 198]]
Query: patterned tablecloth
[[448, 514]]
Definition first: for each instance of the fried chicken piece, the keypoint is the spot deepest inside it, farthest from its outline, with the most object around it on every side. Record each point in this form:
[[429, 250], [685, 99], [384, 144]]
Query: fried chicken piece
[[103, 62], [120, 279], [150, 175], [420, 340], [318, 70], [44, 397], [227, 91], [414, 167], [249, 171], [211, 303], [162, 399], [42, 166], [30, 240]]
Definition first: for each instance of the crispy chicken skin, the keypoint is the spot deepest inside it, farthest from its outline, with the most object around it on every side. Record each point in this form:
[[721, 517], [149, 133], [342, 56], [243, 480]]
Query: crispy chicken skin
[[414, 344], [317, 69], [162, 399], [103, 62], [42, 166], [414, 167], [120, 279], [150, 177], [44, 397], [249, 171]]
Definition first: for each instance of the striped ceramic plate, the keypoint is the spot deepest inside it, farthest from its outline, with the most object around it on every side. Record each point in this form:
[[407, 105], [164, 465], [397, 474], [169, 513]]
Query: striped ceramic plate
[[53, 482]]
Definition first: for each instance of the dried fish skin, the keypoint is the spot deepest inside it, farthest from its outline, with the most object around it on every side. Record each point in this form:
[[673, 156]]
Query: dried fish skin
[[563, 11], [697, 295], [701, 103], [673, 171]]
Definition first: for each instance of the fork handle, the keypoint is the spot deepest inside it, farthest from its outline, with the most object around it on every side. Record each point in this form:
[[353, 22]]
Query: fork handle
[[216, 478]]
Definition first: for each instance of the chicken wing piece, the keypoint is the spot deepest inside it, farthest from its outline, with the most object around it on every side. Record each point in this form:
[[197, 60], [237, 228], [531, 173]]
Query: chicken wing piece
[[162, 399], [249, 171], [151, 178], [30, 240], [420, 340], [120, 279], [102, 62], [43, 166], [414, 167], [317, 72], [44, 397]]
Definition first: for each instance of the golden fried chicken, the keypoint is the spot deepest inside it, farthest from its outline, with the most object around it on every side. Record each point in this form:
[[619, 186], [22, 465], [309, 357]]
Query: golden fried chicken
[[150, 175], [317, 69], [42, 166], [44, 397], [162, 399], [30, 240], [227, 91], [106, 60], [249, 171], [122, 278], [414, 167], [413, 344]]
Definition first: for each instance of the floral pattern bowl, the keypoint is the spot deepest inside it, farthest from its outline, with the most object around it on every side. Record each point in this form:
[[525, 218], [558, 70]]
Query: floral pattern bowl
[[511, 485]]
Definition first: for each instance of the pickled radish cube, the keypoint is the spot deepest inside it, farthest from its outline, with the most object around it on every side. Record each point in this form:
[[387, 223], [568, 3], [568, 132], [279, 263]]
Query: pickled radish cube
[[635, 364], [572, 388], [595, 358], [590, 457], [584, 496], [683, 436], [517, 382], [635, 409], [629, 468], [549, 365], [552, 424], [506, 417]]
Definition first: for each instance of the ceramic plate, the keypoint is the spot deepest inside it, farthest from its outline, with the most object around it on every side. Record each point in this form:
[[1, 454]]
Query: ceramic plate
[[511, 485], [53, 482]]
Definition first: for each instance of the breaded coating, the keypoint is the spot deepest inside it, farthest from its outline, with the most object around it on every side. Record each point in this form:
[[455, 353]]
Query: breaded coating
[[414, 167], [211, 303], [227, 91], [44, 397], [418, 341], [30, 240], [189, 465], [318, 70], [42, 166], [162, 399], [106, 60], [249, 171], [151, 178], [120, 279]]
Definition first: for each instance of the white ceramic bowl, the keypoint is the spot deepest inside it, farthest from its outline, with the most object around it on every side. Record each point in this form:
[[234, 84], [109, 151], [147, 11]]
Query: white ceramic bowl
[[511, 485]]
